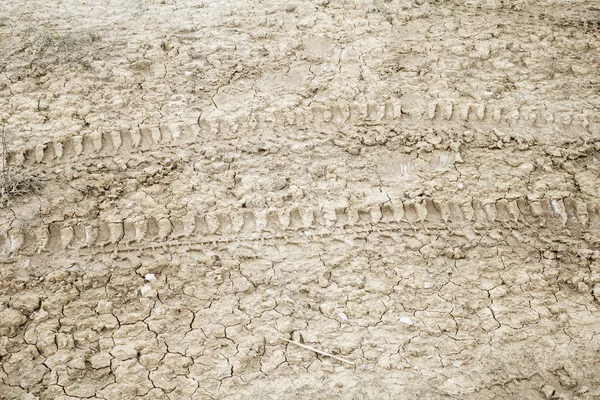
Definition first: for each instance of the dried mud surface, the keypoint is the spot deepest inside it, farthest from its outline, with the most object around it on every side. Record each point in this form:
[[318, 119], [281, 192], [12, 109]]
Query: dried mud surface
[[412, 186]]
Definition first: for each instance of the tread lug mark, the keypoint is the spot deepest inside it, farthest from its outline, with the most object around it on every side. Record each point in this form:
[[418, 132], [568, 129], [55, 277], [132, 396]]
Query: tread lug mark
[[547, 212], [185, 131], [375, 214], [4, 243], [152, 226], [491, 212], [16, 240], [411, 213], [447, 110], [502, 211], [468, 211], [175, 131], [205, 127], [80, 235], [145, 137], [341, 216], [513, 210], [106, 143], [327, 115], [581, 120], [372, 112], [225, 225], [116, 232], [308, 217], [189, 223], [528, 115], [178, 229], [342, 114], [92, 233], [29, 243], [127, 138], [195, 130], [128, 231], [285, 220], [39, 152], [249, 225], [200, 226], [296, 221], [593, 212], [165, 228], [363, 216], [432, 111], [511, 117], [49, 152], [87, 145], [387, 213], [288, 119], [356, 113], [141, 230], [389, 112], [571, 213], [463, 112], [480, 112], [155, 135], [558, 208], [17, 158], [237, 222], [42, 236], [58, 150], [493, 113], [273, 223], [29, 156], [54, 241], [300, 119], [399, 214], [328, 215], [78, 145], [68, 147], [212, 223], [353, 216], [96, 142], [536, 209], [115, 138], [456, 213], [433, 211], [260, 220], [67, 237], [582, 212], [479, 213]]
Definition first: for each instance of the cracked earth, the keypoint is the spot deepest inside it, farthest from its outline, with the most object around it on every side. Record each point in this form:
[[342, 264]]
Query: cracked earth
[[410, 186]]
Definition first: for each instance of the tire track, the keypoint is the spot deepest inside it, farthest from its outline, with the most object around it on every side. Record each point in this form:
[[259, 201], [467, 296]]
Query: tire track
[[527, 124], [421, 214]]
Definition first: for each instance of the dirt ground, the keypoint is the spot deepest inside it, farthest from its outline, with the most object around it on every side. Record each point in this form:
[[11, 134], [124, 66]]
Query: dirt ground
[[410, 186]]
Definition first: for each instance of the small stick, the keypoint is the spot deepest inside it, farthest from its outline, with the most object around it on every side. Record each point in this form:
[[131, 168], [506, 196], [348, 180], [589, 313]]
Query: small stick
[[318, 351]]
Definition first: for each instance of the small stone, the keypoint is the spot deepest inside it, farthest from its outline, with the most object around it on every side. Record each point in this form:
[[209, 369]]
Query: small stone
[[150, 277]]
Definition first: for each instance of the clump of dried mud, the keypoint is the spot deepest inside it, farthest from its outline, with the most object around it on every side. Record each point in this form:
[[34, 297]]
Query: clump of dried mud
[[410, 186]]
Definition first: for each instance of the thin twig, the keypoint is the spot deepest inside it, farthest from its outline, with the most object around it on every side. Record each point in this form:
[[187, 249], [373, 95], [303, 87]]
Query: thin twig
[[318, 351]]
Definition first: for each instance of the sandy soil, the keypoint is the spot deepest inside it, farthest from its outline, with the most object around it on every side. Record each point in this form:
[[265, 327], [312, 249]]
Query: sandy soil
[[412, 186]]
